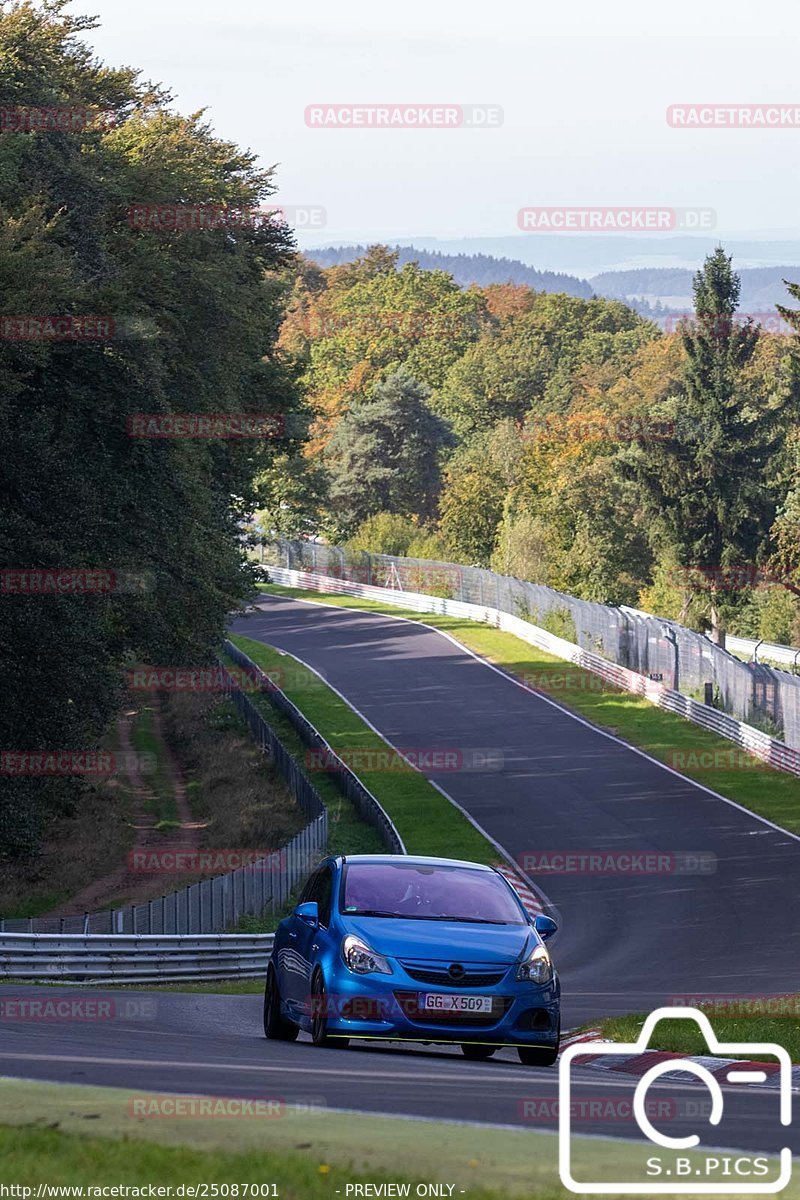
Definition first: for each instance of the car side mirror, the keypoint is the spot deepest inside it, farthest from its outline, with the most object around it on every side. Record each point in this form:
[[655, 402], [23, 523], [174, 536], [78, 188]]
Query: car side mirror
[[544, 926], [308, 912]]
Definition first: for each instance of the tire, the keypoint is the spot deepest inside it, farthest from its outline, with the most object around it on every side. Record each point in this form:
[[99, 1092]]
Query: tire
[[276, 1027], [319, 1022], [538, 1056], [477, 1053]]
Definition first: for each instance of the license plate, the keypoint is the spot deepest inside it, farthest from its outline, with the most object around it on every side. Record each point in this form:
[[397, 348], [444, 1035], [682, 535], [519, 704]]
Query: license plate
[[446, 1002]]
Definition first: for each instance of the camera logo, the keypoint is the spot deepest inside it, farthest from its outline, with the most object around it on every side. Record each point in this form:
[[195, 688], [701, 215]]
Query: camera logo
[[683, 1165]]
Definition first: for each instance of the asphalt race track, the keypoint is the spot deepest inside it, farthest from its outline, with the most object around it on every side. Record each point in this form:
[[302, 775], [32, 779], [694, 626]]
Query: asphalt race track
[[626, 942]]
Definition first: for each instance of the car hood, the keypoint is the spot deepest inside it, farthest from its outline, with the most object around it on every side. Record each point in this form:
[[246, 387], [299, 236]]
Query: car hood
[[441, 941]]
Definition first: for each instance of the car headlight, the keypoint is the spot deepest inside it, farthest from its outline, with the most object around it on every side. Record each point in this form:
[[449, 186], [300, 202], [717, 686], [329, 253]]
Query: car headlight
[[537, 968], [361, 959]]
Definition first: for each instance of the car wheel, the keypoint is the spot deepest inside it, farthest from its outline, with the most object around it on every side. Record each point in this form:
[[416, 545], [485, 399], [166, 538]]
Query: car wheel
[[319, 1021], [276, 1027], [537, 1056], [476, 1052]]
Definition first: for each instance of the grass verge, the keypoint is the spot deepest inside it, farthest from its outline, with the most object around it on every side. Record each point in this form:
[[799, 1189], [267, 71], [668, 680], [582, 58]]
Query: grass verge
[[701, 756], [348, 833], [88, 1135], [160, 800], [78, 846], [760, 1020], [425, 819], [235, 794]]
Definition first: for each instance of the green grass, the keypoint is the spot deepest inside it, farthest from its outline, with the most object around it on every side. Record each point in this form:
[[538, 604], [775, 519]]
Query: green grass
[[732, 1021], [68, 1135], [35, 907], [671, 739], [426, 821], [160, 802]]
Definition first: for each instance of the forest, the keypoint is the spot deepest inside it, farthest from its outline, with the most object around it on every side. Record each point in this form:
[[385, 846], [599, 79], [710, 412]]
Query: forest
[[563, 440]]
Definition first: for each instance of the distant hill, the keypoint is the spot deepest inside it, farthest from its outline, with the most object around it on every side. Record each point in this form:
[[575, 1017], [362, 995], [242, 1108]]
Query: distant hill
[[587, 254], [481, 269], [762, 287], [654, 292]]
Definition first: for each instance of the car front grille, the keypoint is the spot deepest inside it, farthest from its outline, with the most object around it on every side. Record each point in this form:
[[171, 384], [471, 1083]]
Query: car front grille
[[443, 978]]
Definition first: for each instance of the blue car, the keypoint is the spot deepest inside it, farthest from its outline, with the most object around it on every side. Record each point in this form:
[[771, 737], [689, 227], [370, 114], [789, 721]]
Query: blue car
[[418, 949]]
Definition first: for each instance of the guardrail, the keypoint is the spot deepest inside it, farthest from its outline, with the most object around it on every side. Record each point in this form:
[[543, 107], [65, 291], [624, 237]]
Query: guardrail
[[762, 695], [777, 754], [760, 649], [127, 959], [368, 806]]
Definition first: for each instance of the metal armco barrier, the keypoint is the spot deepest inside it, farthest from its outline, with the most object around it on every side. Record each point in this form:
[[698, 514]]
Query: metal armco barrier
[[777, 754], [70, 958], [771, 651], [369, 808]]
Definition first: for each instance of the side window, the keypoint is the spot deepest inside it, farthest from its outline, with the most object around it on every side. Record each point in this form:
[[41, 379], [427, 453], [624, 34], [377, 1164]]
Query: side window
[[323, 894], [308, 891]]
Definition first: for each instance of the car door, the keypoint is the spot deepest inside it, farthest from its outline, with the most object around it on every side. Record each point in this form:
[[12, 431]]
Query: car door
[[305, 943], [294, 977]]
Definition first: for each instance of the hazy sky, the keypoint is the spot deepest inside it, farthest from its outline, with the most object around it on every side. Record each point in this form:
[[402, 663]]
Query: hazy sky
[[584, 87]]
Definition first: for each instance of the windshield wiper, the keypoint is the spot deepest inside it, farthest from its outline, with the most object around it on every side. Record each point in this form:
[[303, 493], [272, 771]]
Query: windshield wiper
[[379, 912], [470, 920], [368, 912]]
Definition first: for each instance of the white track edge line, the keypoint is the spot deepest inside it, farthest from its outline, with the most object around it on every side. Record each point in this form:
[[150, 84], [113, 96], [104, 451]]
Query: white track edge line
[[554, 704]]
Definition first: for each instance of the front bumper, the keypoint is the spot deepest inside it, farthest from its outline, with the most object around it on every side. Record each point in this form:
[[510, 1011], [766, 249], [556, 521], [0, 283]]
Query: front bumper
[[389, 1006]]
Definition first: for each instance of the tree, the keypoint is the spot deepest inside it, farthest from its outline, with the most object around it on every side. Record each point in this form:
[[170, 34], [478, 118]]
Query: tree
[[196, 314], [385, 454], [530, 361], [477, 480], [384, 533], [368, 320], [705, 489]]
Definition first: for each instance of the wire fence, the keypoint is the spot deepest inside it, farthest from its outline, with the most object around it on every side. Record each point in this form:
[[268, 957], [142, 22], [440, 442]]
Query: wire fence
[[367, 806], [217, 903], [663, 650]]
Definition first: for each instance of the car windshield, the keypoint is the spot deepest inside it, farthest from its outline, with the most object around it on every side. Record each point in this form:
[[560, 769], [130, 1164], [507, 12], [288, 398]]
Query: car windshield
[[428, 893]]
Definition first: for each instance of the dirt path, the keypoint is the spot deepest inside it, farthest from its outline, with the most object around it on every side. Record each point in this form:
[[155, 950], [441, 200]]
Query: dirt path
[[124, 884]]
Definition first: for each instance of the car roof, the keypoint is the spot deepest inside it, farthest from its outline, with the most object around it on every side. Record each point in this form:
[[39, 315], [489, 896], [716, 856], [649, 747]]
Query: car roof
[[411, 860]]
